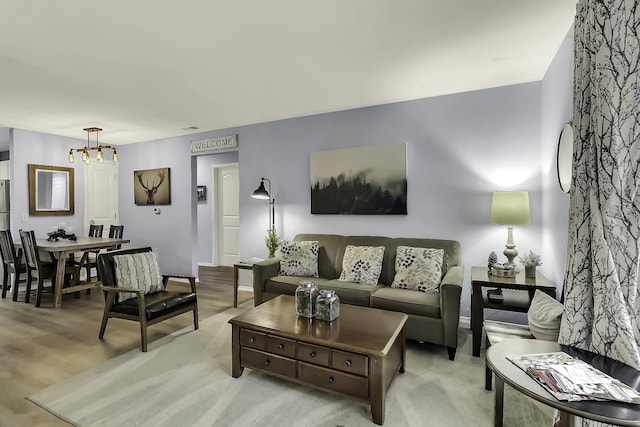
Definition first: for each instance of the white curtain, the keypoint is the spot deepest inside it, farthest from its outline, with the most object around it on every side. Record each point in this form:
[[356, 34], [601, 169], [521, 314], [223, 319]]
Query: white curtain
[[602, 309]]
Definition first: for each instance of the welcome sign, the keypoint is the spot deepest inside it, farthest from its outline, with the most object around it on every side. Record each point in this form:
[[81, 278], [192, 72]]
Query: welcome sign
[[214, 144]]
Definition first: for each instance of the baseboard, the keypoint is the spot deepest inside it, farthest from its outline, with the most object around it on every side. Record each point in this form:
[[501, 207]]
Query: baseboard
[[464, 322]]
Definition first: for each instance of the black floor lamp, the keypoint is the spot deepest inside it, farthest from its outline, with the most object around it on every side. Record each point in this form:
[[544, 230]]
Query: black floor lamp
[[262, 193]]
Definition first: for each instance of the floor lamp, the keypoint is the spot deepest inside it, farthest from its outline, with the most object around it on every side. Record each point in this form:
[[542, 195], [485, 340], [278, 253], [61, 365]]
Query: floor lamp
[[262, 193], [510, 208]]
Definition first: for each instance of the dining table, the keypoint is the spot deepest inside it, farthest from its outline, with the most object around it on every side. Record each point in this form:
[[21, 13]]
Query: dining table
[[60, 251]]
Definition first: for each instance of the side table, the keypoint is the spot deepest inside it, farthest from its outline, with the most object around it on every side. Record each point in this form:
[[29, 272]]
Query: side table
[[236, 267], [520, 301]]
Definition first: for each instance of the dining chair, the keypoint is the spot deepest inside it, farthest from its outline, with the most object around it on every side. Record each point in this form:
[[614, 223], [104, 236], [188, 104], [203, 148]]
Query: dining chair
[[40, 270], [115, 232], [12, 264], [88, 258]]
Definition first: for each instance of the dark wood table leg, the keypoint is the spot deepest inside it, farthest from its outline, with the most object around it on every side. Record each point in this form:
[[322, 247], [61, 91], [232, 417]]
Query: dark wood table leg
[[235, 286], [499, 403], [477, 308], [236, 368], [377, 390]]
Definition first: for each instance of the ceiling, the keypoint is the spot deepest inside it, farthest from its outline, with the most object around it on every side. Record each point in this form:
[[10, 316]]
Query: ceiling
[[148, 69]]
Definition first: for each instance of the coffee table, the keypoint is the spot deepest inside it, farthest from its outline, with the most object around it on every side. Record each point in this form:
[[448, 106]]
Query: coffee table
[[357, 355]]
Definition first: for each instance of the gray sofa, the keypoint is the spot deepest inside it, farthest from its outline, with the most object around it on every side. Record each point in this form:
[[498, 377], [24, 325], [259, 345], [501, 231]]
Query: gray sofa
[[432, 317]]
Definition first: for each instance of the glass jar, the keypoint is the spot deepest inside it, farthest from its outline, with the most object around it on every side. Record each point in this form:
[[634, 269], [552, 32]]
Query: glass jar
[[306, 295], [327, 305]]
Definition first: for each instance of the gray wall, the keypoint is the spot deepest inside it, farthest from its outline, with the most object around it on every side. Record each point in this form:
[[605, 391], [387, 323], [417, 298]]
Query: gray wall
[[39, 148], [460, 148], [557, 109]]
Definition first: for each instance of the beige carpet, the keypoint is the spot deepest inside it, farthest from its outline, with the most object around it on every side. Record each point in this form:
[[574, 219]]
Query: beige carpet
[[185, 380]]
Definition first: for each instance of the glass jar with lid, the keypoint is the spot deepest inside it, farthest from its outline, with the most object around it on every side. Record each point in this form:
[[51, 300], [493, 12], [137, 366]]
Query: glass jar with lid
[[306, 295], [327, 305]]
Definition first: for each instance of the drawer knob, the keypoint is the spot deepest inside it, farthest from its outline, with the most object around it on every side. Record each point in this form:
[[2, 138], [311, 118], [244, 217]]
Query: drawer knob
[[347, 363], [251, 340], [267, 362], [312, 354], [280, 346], [331, 380]]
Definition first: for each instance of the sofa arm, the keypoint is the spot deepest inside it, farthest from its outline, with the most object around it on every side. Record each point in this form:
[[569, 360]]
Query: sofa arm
[[263, 271], [450, 291]]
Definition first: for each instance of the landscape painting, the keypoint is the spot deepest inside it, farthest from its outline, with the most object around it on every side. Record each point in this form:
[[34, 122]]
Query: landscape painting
[[152, 186], [369, 180]]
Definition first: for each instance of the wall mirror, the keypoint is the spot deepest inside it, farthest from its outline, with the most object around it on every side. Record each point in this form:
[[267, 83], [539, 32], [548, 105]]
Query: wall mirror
[[51, 190], [565, 157]]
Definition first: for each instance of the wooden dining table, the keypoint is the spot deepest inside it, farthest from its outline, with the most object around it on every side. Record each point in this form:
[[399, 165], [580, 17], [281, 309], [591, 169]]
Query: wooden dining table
[[61, 250]]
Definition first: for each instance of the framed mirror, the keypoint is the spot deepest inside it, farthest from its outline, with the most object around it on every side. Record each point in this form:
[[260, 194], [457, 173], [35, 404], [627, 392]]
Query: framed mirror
[[565, 157], [51, 190]]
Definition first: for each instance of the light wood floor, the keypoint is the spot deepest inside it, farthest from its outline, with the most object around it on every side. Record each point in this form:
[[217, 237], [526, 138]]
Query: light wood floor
[[42, 346]]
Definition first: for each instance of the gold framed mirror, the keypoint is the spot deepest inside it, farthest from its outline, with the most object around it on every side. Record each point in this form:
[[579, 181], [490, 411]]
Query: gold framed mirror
[[51, 190]]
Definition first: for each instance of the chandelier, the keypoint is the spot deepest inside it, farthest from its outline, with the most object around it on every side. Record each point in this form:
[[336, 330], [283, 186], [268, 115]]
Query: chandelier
[[86, 150]]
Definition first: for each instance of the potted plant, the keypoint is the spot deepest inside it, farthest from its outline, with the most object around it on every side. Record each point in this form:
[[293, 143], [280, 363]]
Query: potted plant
[[272, 240], [530, 261]]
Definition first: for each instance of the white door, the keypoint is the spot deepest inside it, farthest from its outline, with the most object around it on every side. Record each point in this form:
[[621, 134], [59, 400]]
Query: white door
[[227, 215], [100, 195]]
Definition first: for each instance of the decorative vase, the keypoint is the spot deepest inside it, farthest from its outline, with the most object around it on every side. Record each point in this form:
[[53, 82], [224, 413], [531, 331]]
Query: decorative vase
[[306, 295], [327, 305], [530, 272]]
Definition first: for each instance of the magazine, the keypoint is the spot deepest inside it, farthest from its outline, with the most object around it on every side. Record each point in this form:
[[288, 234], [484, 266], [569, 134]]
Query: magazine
[[571, 379], [252, 260]]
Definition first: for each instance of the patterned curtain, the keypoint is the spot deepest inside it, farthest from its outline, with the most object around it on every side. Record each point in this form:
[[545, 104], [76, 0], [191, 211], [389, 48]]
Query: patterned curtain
[[602, 308]]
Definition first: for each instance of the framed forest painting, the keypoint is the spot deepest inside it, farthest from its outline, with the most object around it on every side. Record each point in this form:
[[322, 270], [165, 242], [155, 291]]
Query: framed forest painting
[[370, 180], [152, 186]]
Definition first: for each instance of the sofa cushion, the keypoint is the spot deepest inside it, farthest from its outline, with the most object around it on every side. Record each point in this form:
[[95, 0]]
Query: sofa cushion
[[287, 284], [544, 317], [137, 271], [362, 264], [418, 269], [417, 303], [350, 292], [299, 258]]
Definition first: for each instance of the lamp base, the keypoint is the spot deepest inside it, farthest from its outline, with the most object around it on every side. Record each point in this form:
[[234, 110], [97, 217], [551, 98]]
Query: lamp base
[[510, 250]]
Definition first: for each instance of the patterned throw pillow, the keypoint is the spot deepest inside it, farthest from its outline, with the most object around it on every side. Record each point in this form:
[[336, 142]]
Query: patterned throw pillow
[[299, 258], [418, 269], [362, 264], [137, 271]]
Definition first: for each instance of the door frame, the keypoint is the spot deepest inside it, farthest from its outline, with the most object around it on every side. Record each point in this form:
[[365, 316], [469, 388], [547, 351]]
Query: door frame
[[216, 211], [87, 195]]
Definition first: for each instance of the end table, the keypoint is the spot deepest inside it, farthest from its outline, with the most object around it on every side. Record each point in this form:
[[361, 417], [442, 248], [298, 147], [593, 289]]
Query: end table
[[238, 266], [520, 301]]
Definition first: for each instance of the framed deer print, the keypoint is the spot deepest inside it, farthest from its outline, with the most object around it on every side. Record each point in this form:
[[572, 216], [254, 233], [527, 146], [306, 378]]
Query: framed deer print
[[152, 186]]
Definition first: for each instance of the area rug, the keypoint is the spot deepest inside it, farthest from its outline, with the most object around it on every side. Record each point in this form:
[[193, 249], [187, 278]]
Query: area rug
[[185, 380]]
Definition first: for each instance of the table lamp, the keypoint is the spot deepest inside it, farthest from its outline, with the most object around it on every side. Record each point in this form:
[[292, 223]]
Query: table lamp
[[510, 208]]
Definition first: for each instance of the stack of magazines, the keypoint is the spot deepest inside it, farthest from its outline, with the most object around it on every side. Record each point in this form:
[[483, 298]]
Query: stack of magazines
[[571, 379]]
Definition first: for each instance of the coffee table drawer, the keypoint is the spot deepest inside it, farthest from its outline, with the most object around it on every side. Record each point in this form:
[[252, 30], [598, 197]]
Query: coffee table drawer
[[314, 354], [253, 339], [329, 379], [350, 362], [281, 346], [268, 362]]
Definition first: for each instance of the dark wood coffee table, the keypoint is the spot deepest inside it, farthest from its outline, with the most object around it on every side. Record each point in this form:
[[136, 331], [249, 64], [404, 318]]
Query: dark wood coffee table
[[356, 355]]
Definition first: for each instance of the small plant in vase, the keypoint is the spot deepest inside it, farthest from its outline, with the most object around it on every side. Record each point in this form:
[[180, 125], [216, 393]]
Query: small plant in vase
[[530, 261], [272, 240]]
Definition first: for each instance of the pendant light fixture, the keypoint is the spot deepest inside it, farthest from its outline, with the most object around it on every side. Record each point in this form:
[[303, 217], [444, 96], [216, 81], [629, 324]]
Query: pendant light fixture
[[86, 158]]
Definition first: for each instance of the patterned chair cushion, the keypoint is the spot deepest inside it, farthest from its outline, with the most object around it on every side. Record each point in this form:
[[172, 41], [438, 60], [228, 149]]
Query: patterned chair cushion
[[418, 269], [137, 271], [299, 258], [362, 264]]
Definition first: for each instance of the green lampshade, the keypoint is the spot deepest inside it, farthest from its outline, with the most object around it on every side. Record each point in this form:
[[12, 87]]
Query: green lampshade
[[510, 208]]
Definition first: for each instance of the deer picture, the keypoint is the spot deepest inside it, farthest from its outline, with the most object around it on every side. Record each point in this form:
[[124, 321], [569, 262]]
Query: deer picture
[[152, 189]]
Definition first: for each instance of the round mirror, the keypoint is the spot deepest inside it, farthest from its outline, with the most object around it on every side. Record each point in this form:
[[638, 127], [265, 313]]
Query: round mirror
[[565, 157]]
